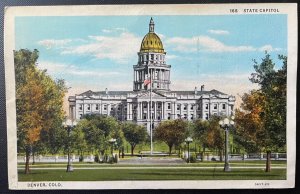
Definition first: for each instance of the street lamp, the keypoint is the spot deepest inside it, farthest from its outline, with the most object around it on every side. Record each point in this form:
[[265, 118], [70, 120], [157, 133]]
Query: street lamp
[[112, 141], [225, 124], [69, 125], [188, 141]]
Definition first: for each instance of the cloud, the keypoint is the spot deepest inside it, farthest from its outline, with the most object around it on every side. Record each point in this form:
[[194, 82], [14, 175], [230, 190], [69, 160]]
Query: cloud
[[110, 30], [56, 69], [268, 48], [49, 43], [236, 84], [219, 32], [204, 43], [116, 48]]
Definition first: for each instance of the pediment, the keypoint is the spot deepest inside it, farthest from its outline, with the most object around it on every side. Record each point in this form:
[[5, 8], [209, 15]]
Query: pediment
[[154, 95]]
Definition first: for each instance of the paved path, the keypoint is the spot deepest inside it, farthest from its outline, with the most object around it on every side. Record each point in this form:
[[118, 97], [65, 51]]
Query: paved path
[[153, 161], [156, 167]]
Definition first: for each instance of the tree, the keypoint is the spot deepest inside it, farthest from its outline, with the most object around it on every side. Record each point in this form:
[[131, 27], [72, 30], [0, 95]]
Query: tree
[[39, 101], [249, 123], [98, 129], [172, 132], [200, 130], [78, 141], [134, 134], [270, 131]]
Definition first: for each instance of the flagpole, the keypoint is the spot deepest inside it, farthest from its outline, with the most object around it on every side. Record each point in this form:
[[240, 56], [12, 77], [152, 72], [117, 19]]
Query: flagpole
[[151, 143]]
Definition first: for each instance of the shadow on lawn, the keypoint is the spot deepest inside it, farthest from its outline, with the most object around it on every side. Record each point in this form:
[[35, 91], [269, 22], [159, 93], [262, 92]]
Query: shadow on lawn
[[208, 174]]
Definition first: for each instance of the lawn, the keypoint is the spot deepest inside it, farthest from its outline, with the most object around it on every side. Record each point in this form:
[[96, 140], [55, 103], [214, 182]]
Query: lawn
[[195, 171], [152, 174]]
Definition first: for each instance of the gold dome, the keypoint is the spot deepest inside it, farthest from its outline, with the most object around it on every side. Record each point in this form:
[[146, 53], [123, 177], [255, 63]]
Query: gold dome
[[151, 42]]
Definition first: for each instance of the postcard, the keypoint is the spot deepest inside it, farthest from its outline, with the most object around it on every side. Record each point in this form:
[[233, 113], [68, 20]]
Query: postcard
[[188, 96]]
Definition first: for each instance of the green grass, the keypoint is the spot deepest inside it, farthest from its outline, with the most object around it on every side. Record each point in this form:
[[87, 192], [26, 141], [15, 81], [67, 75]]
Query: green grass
[[204, 164], [151, 174]]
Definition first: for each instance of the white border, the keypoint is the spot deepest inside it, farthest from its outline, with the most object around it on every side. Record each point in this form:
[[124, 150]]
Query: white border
[[212, 9]]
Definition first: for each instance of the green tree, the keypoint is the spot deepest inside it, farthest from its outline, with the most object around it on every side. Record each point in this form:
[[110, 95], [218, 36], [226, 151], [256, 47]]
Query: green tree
[[39, 101], [78, 140], [172, 132], [134, 134], [98, 129], [200, 130], [271, 116]]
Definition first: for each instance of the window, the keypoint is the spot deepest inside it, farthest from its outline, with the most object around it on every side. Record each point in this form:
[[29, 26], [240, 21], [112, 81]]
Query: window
[[215, 106], [178, 106], [105, 107], [192, 107], [206, 106], [169, 106], [185, 116], [80, 116], [192, 116], [119, 107], [112, 108], [223, 106], [198, 107], [206, 116], [97, 106], [145, 105], [185, 107], [178, 116], [169, 116], [88, 107], [80, 106], [152, 56], [144, 116]]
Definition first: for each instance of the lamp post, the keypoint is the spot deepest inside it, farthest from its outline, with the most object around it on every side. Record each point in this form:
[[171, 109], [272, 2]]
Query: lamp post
[[112, 142], [188, 141], [69, 125], [225, 124]]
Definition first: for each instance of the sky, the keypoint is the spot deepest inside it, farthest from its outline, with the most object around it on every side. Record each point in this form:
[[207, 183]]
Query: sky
[[98, 52]]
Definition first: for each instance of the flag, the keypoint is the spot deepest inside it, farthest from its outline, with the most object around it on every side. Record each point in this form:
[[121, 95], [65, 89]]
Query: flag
[[146, 82]]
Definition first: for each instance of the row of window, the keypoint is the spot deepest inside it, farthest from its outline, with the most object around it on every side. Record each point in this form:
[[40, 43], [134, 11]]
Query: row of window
[[185, 106], [144, 58]]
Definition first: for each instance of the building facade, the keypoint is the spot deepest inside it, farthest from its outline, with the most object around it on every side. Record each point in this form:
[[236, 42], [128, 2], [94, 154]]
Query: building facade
[[149, 104]]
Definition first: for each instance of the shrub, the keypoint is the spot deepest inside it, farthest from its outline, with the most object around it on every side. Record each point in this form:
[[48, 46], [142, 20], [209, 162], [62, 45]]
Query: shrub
[[116, 158], [193, 158], [81, 158], [97, 159]]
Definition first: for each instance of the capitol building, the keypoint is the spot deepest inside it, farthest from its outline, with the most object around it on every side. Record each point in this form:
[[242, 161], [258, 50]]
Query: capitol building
[[151, 100]]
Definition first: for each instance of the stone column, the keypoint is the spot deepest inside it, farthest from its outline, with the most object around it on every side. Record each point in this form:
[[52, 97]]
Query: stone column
[[128, 117], [131, 111], [195, 111], [155, 110], [108, 109], [141, 110], [148, 110], [188, 112], [174, 110]]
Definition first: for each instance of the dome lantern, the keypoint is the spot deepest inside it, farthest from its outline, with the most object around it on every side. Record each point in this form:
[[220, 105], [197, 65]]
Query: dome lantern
[[151, 25], [151, 42]]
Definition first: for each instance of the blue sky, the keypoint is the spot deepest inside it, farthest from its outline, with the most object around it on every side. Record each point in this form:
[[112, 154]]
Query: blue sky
[[95, 52]]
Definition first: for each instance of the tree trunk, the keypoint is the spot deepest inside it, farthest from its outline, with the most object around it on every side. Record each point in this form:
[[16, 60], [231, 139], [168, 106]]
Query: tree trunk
[[170, 149], [221, 155], [268, 162], [33, 159], [27, 161], [122, 152], [132, 149], [203, 153]]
